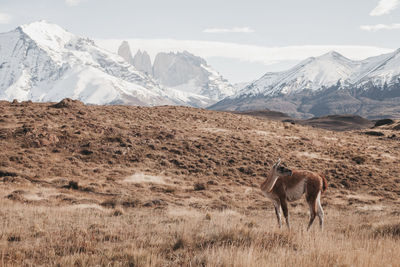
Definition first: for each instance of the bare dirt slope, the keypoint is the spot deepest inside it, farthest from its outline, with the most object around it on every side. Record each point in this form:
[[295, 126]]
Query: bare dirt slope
[[172, 161]]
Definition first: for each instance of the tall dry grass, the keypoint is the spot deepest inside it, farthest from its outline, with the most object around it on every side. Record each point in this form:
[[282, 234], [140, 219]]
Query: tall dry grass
[[91, 235]]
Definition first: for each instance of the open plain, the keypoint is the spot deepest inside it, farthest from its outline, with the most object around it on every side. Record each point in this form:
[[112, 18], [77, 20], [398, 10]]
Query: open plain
[[177, 186]]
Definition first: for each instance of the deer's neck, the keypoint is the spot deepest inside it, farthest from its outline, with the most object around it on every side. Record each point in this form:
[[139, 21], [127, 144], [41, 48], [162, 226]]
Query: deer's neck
[[269, 182]]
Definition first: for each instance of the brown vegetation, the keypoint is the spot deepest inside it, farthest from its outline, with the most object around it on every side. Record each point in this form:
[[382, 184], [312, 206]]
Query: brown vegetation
[[168, 186]]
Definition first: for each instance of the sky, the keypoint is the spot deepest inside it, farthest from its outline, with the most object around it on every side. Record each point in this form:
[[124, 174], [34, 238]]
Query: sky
[[240, 39]]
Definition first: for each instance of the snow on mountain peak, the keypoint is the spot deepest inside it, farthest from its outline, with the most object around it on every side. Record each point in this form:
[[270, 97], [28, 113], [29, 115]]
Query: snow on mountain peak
[[332, 54], [43, 62], [313, 73], [379, 70], [47, 35]]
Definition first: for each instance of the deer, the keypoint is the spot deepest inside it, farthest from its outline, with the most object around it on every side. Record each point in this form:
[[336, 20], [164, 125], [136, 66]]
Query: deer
[[283, 185]]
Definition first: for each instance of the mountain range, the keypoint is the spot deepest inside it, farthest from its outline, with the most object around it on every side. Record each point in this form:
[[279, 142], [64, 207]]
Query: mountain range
[[181, 71], [42, 62], [328, 84]]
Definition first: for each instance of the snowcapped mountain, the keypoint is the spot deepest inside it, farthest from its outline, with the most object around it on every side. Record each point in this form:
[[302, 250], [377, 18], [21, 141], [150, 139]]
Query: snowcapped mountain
[[43, 62], [313, 74], [189, 73], [379, 71], [328, 84], [183, 72]]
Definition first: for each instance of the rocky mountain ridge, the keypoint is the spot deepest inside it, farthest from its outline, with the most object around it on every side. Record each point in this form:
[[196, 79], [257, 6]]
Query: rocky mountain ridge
[[184, 72], [42, 62], [328, 84]]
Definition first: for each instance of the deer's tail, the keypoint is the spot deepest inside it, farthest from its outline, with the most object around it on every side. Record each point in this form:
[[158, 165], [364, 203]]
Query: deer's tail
[[324, 183]]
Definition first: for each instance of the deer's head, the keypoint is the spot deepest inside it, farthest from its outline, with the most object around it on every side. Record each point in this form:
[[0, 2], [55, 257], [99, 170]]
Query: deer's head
[[279, 170]]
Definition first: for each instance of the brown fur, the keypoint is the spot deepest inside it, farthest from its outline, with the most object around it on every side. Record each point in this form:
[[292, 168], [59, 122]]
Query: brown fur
[[325, 183], [291, 188]]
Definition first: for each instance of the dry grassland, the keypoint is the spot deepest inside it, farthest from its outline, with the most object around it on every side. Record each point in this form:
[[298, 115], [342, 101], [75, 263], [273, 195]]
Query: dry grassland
[[175, 186], [91, 235]]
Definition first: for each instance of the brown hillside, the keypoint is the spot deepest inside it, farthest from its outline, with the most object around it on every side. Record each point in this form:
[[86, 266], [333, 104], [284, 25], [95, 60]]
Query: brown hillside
[[163, 158], [100, 146]]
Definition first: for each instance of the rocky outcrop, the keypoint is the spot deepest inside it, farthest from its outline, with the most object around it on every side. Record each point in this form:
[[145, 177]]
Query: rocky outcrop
[[142, 62], [124, 51], [173, 69], [183, 72], [189, 73]]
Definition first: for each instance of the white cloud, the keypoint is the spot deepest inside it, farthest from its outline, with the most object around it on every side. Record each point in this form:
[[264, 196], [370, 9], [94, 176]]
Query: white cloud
[[384, 7], [250, 53], [231, 30], [5, 18], [378, 27], [74, 2]]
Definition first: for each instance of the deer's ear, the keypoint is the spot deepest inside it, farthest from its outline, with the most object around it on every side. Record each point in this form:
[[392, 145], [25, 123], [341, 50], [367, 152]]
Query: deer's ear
[[277, 163]]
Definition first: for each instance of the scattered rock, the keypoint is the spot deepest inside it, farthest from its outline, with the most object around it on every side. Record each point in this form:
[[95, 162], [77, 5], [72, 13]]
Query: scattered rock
[[358, 160], [130, 203], [154, 202], [72, 185], [117, 212], [86, 152], [199, 186], [68, 103], [48, 139], [374, 133], [345, 183], [109, 203], [7, 173], [16, 195], [14, 238], [246, 170], [383, 122], [178, 244]]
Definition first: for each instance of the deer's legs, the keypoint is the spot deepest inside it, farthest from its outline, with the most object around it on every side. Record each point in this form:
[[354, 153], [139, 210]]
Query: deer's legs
[[277, 207], [320, 211], [285, 212], [312, 203]]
